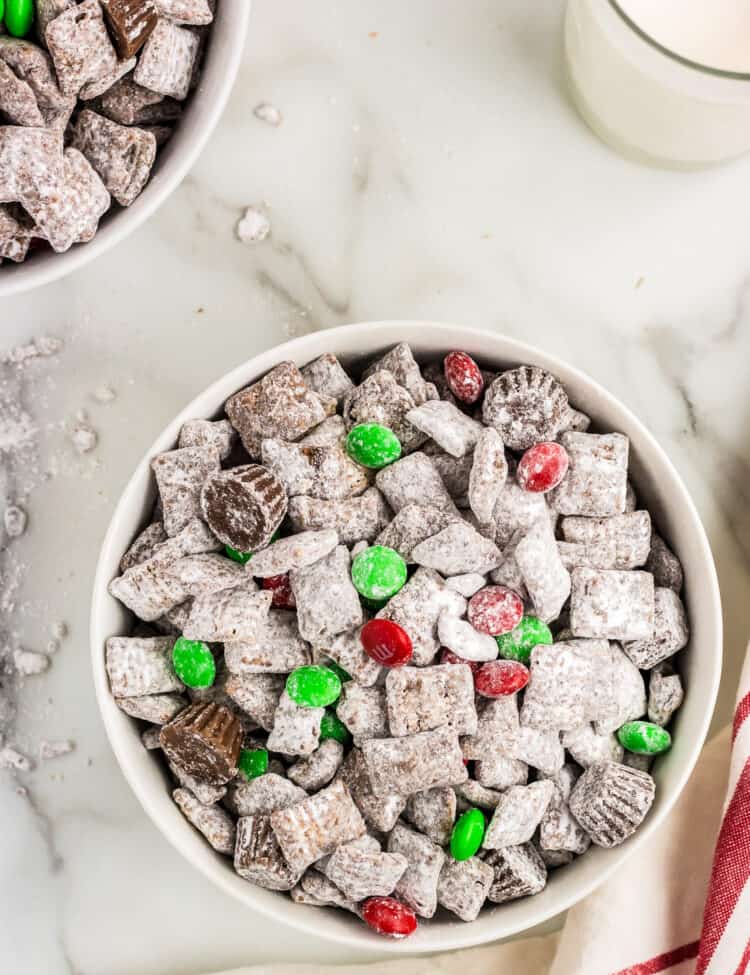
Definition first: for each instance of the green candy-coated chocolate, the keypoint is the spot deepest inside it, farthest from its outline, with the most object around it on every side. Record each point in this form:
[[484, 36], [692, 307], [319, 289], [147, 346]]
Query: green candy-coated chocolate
[[244, 557], [332, 726], [241, 557], [193, 662], [644, 738], [378, 572], [518, 644], [313, 686], [373, 445], [2, 10], [467, 834], [374, 605], [342, 674], [19, 16], [253, 762]]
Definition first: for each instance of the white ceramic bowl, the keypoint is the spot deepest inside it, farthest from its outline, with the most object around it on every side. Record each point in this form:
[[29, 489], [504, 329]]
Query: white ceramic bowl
[[659, 488], [202, 111]]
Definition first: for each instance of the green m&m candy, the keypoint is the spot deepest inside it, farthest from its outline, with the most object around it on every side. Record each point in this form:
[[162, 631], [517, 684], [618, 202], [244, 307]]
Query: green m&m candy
[[378, 572], [342, 675], [241, 557], [644, 738], [2, 10], [244, 557], [373, 445], [19, 16], [518, 644], [331, 726], [467, 834], [193, 662], [313, 686], [253, 762]]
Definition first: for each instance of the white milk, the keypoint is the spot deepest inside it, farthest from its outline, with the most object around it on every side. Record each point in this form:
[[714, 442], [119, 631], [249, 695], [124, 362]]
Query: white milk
[[645, 101], [714, 33]]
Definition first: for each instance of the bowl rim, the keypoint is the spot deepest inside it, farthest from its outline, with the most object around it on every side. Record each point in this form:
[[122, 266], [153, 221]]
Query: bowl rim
[[17, 279], [457, 935]]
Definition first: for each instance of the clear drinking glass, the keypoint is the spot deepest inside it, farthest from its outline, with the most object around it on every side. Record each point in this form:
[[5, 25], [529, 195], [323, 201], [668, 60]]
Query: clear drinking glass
[[647, 101]]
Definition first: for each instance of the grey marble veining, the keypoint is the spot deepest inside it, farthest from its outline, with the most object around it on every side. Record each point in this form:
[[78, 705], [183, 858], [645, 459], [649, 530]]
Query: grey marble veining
[[433, 170]]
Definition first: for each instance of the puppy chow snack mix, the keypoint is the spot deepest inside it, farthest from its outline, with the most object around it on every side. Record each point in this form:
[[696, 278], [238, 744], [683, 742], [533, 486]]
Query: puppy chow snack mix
[[403, 636]]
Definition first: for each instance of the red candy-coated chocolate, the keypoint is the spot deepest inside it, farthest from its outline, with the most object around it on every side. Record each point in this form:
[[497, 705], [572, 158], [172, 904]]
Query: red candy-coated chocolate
[[463, 376], [495, 610], [542, 467], [449, 657], [283, 597], [500, 677], [388, 916], [386, 642]]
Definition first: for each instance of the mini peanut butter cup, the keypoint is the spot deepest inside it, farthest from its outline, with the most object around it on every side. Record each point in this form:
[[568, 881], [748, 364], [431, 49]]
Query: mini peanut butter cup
[[204, 741], [244, 506]]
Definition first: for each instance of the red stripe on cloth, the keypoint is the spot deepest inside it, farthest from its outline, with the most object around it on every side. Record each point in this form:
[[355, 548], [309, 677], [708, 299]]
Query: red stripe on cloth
[[741, 712], [730, 871], [742, 967], [662, 962]]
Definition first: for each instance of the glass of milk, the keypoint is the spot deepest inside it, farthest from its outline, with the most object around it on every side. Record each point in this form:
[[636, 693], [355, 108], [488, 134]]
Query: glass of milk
[[663, 81]]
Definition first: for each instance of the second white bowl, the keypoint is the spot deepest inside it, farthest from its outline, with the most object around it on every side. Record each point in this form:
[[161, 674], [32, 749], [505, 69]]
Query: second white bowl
[[202, 111]]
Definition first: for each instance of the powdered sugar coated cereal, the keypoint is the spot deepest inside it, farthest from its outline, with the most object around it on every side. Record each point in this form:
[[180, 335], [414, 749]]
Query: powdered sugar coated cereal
[[359, 650]]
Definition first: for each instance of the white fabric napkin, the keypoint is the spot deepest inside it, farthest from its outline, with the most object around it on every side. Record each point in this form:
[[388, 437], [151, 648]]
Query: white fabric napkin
[[680, 905]]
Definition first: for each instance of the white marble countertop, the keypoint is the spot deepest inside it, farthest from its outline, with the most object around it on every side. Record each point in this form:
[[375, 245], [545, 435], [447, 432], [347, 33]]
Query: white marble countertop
[[429, 165]]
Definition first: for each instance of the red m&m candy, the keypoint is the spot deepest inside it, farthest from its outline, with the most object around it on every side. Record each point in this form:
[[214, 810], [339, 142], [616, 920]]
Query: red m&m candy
[[464, 377], [386, 642], [495, 610], [542, 467], [449, 657], [283, 597], [390, 917], [500, 677]]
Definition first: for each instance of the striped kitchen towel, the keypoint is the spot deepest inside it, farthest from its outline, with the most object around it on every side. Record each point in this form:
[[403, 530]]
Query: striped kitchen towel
[[724, 945], [679, 906]]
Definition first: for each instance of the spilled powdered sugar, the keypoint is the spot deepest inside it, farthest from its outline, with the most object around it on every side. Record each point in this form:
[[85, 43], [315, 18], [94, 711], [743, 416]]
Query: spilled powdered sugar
[[54, 749], [28, 662], [84, 437], [104, 394], [25, 373], [14, 520], [42, 347], [268, 113], [253, 227], [13, 759]]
